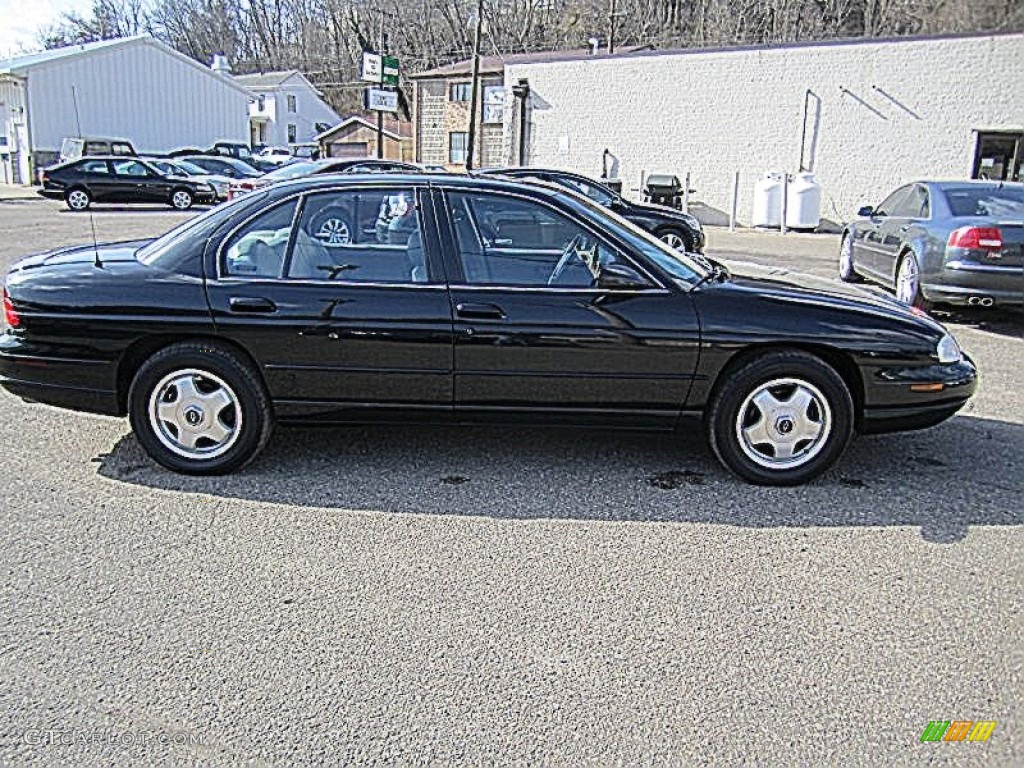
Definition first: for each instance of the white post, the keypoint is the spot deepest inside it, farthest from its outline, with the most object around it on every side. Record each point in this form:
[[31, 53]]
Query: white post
[[735, 200], [785, 202], [686, 193]]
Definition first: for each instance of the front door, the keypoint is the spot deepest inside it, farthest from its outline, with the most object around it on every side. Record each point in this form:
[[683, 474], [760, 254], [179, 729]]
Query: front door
[[873, 244], [339, 298], [535, 338]]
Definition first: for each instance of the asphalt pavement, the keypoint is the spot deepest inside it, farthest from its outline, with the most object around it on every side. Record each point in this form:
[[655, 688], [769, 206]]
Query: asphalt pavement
[[413, 596]]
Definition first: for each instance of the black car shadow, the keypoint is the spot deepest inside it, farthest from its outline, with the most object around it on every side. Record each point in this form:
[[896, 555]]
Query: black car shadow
[[1003, 321], [140, 208], [943, 480]]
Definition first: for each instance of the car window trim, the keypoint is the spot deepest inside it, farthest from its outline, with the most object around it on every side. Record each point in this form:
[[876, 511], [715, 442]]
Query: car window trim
[[445, 189]]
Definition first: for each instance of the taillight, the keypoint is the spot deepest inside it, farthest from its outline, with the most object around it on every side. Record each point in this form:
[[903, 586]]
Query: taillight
[[976, 238], [10, 315]]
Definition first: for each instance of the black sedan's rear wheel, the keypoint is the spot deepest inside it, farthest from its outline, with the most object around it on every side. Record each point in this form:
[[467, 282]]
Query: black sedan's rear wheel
[[199, 409], [182, 199], [781, 419], [78, 199]]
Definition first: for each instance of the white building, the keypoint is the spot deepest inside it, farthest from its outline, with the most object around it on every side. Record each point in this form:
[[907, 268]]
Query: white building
[[133, 88], [864, 115], [288, 109]]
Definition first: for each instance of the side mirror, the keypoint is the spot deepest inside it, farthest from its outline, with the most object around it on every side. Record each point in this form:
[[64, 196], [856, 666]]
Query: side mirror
[[866, 211], [619, 277]]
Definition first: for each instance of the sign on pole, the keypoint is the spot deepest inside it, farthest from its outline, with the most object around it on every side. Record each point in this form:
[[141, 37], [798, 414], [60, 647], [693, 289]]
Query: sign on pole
[[380, 100], [389, 66], [371, 69]]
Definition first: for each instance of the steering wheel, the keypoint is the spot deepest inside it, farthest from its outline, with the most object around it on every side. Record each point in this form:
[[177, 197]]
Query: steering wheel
[[567, 255]]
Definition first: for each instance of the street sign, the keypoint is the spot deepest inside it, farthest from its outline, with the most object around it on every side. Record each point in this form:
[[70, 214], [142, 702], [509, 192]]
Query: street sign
[[380, 100], [390, 67], [371, 67]]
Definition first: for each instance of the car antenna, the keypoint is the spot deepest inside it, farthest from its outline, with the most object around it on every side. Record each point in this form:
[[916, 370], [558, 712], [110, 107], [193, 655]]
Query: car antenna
[[92, 222]]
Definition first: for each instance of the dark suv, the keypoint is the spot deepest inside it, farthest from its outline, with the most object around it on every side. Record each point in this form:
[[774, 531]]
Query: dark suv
[[116, 179], [680, 230]]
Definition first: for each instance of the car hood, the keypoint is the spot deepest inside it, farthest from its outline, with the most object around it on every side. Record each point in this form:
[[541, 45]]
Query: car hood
[[801, 289], [108, 253]]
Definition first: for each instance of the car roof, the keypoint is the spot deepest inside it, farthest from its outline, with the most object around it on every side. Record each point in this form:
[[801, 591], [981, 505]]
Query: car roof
[[948, 183], [326, 180]]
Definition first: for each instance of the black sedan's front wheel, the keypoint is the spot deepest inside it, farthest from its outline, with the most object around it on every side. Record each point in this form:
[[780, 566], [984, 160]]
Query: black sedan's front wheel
[[781, 419], [182, 199], [199, 409]]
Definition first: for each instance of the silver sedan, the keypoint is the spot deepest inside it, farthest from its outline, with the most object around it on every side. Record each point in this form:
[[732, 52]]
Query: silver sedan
[[950, 242]]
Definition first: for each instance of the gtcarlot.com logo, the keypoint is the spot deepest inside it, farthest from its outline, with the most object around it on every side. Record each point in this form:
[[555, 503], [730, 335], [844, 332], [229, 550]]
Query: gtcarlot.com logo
[[958, 730], [68, 736]]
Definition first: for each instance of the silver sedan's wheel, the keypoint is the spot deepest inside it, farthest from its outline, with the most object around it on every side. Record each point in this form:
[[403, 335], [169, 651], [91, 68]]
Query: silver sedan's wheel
[[181, 200], [673, 240], [78, 200], [333, 231], [783, 423], [908, 280], [195, 414]]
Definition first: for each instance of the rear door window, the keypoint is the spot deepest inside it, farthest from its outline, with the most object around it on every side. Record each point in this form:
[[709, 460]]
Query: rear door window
[[258, 248]]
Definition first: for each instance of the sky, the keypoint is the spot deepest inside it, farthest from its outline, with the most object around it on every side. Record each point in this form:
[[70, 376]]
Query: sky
[[20, 21]]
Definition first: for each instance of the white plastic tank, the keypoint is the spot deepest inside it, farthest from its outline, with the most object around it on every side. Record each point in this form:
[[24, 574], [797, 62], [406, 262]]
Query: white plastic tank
[[768, 201], [803, 202]]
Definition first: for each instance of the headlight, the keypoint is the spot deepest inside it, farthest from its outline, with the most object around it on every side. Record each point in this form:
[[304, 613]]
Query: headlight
[[947, 350]]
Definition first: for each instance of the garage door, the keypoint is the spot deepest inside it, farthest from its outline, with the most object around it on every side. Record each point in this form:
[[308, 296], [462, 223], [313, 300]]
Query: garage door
[[351, 149]]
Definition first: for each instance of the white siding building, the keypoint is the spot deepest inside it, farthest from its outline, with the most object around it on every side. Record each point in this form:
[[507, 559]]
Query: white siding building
[[132, 88], [287, 110], [864, 115]]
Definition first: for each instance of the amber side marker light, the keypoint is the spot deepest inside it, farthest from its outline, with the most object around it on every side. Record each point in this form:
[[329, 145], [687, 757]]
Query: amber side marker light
[[936, 387]]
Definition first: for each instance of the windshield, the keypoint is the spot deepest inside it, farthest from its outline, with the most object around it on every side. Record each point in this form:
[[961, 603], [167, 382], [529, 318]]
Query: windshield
[[687, 267], [978, 200], [292, 171]]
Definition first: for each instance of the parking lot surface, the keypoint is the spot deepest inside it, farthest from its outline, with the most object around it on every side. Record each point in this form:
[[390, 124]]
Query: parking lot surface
[[497, 596]]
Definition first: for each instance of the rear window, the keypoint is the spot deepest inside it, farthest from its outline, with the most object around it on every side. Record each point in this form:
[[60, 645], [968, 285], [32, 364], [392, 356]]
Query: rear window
[[985, 201]]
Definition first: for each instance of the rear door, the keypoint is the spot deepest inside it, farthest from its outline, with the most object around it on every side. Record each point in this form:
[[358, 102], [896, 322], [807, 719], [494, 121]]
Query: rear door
[[535, 338], [344, 325], [97, 176]]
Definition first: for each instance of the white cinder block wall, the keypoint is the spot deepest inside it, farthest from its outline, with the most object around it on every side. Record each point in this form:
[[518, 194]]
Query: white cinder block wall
[[885, 113]]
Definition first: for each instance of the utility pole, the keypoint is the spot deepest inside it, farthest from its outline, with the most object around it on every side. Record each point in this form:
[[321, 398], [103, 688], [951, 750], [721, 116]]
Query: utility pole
[[611, 28], [474, 90], [380, 113]]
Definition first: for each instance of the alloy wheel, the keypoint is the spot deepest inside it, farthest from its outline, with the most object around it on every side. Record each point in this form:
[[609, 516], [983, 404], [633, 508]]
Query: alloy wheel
[[195, 414], [78, 200], [673, 240], [907, 280], [181, 200], [783, 423], [333, 231]]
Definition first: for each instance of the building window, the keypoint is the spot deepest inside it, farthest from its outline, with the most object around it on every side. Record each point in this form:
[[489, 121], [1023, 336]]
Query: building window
[[291, 133], [494, 104], [460, 92], [291, 103], [261, 103], [999, 156], [457, 148]]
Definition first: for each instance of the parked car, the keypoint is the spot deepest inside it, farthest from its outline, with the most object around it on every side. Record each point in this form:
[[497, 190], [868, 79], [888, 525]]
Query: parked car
[[306, 151], [275, 155], [183, 168], [499, 301], [678, 229], [950, 242], [76, 147], [299, 169], [223, 166], [121, 180], [232, 149]]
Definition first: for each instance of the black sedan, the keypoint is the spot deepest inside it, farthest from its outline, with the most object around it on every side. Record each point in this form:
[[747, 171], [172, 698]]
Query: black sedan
[[461, 299], [680, 230], [117, 179]]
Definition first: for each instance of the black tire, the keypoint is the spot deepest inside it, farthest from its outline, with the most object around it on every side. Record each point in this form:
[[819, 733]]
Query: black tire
[[847, 270], [731, 396], [242, 380], [181, 199], [665, 233], [73, 196]]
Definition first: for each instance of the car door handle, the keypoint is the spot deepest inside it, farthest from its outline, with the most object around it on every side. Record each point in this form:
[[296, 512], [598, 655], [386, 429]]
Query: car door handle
[[251, 305], [480, 311]]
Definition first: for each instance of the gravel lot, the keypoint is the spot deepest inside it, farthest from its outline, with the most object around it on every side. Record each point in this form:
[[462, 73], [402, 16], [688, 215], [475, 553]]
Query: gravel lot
[[472, 597]]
